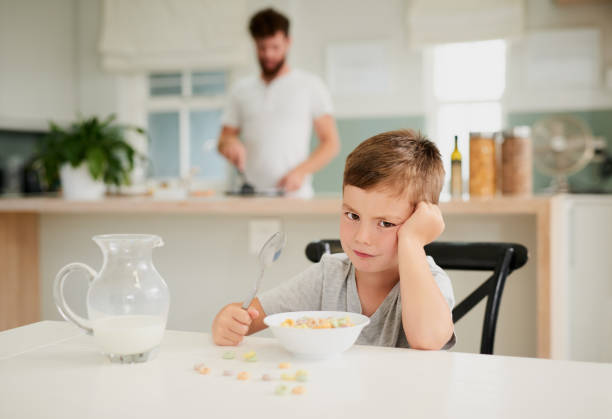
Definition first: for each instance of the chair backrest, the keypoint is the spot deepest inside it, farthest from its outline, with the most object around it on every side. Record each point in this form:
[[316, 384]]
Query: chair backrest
[[500, 258]]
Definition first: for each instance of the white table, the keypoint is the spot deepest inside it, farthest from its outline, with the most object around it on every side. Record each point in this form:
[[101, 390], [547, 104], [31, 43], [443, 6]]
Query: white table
[[52, 370]]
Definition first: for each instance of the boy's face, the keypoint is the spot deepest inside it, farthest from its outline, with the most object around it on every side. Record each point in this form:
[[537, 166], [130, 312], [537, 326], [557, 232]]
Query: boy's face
[[368, 227]]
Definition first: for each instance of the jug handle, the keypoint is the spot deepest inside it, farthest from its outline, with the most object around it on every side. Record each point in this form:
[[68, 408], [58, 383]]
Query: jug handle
[[60, 301]]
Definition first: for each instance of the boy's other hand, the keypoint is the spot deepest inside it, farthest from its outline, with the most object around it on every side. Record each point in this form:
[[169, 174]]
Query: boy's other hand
[[424, 225], [232, 324]]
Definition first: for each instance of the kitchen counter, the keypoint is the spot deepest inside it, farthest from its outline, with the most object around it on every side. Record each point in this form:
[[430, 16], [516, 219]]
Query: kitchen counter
[[39, 235], [364, 382], [253, 205]]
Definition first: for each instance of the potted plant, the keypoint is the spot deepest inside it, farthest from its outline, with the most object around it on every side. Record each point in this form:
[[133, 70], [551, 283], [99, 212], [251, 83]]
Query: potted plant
[[87, 156]]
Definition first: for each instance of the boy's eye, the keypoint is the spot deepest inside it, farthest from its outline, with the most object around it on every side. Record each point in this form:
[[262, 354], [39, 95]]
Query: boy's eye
[[352, 216], [386, 224]]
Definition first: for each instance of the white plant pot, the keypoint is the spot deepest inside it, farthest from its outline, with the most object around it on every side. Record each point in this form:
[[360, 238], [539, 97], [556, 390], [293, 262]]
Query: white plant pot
[[79, 185]]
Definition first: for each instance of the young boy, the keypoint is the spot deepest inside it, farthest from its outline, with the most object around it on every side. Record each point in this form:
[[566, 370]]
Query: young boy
[[391, 188]]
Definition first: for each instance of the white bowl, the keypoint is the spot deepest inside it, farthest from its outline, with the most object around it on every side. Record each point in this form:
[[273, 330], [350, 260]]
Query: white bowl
[[316, 343]]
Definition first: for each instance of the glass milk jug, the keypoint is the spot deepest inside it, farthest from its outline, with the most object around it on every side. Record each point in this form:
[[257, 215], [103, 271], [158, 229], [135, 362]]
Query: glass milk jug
[[127, 301]]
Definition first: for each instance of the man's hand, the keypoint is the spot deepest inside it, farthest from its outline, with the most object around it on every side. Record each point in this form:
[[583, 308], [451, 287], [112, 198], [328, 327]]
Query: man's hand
[[292, 181], [424, 225], [231, 147], [234, 151]]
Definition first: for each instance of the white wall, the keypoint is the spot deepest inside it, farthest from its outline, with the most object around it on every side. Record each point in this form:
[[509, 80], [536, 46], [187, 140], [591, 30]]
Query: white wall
[[49, 63], [548, 15], [321, 23], [97, 90], [37, 62]]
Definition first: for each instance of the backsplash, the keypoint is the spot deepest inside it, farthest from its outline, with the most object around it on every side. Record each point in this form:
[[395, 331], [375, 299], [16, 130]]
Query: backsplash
[[353, 131], [588, 179]]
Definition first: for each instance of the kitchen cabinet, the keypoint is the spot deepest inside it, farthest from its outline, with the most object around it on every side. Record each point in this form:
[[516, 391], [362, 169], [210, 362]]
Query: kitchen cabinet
[[582, 293]]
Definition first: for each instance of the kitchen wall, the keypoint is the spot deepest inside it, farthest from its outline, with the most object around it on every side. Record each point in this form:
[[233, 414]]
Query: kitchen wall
[[97, 90], [352, 132], [37, 62]]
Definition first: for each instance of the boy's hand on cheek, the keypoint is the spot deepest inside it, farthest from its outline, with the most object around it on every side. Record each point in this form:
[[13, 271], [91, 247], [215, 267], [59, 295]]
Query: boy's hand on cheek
[[424, 225]]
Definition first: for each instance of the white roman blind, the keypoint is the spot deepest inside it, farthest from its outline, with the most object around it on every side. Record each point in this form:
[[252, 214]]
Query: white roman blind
[[433, 22], [163, 35]]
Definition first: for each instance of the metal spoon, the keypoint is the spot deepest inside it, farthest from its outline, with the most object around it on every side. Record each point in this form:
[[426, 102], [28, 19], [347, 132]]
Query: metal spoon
[[268, 254]]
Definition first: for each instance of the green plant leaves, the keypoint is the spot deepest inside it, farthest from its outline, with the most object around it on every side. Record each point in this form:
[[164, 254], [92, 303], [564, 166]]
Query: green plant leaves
[[101, 144], [96, 160]]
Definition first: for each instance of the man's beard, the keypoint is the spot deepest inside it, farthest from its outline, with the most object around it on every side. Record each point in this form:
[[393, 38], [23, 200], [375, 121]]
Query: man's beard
[[271, 73]]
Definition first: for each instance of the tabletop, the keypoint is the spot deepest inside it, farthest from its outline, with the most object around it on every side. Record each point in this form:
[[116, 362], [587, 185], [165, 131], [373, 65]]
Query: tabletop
[[51, 369]]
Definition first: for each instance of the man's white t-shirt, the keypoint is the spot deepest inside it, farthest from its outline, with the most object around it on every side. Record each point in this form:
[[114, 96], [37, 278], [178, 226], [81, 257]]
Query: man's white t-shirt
[[275, 122]]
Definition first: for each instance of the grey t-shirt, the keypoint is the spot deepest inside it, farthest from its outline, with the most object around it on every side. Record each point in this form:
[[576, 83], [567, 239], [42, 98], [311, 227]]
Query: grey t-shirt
[[330, 286]]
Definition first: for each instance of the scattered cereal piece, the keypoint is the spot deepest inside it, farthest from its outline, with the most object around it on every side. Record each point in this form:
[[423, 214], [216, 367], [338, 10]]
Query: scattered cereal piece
[[284, 365], [243, 376], [287, 377], [228, 373], [250, 355], [229, 355], [301, 375], [202, 369], [280, 390], [298, 390], [266, 377]]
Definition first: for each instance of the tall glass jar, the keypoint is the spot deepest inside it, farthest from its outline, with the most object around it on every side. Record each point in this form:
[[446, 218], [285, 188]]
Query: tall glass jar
[[482, 164], [517, 161]]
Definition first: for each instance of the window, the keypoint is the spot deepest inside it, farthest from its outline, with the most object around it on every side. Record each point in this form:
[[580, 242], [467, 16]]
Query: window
[[465, 92], [184, 121]]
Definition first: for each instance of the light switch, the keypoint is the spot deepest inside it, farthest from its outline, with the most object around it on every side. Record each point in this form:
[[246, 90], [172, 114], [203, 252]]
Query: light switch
[[260, 230]]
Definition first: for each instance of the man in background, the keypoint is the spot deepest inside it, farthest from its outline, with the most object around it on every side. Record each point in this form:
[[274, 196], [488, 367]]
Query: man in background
[[268, 122]]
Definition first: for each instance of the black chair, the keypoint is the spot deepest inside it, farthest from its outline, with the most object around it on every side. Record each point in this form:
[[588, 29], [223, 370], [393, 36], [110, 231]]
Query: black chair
[[501, 258]]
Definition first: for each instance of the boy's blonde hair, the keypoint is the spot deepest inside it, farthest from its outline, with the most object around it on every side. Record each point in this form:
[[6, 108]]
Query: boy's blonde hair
[[401, 161]]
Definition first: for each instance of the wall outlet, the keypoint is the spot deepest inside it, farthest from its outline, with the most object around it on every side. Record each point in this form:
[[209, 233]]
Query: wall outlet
[[260, 230]]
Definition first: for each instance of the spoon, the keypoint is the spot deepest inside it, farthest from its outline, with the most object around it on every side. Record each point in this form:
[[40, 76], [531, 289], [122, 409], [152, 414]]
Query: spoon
[[268, 254]]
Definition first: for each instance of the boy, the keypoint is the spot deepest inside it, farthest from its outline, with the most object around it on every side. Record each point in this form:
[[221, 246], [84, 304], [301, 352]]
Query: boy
[[391, 188]]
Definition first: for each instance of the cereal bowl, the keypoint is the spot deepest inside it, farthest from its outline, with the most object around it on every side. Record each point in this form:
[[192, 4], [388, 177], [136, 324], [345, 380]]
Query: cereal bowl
[[316, 343]]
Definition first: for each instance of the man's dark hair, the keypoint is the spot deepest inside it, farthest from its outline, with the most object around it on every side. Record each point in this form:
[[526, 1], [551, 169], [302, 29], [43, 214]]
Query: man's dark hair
[[267, 23]]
